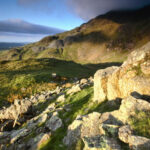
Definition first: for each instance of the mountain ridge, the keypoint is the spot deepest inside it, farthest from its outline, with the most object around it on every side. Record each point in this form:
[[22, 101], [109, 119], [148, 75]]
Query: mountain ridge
[[106, 38]]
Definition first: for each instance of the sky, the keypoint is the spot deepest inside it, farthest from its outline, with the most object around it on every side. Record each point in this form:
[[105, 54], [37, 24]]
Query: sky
[[31, 20]]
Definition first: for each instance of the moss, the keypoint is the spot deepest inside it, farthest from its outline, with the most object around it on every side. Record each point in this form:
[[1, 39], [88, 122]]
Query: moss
[[140, 123]]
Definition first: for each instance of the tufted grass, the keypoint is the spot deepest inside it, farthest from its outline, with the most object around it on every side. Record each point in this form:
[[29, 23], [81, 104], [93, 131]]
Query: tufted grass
[[140, 123]]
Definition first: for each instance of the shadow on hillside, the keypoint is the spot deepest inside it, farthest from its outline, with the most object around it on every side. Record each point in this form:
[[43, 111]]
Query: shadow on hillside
[[92, 37], [124, 16], [53, 65], [41, 70]]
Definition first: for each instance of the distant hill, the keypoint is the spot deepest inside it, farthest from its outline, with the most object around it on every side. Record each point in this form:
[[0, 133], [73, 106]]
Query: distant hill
[[106, 38], [5, 45]]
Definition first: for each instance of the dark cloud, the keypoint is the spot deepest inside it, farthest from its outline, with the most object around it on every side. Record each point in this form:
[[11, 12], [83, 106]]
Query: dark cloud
[[88, 9], [20, 26]]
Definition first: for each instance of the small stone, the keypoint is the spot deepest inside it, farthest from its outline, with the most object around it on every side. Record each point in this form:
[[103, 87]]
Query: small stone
[[54, 123], [83, 81], [74, 89], [42, 97], [61, 98]]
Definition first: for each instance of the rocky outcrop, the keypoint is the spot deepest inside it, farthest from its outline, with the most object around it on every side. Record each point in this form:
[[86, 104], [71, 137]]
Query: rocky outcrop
[[43, 123], [15, 110], [37, 49], [106, 130], [132, 76], [56, 44]]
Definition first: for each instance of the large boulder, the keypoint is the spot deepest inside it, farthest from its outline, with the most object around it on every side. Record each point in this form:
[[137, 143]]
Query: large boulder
[[100, 83], [132, 76], [105, 130]]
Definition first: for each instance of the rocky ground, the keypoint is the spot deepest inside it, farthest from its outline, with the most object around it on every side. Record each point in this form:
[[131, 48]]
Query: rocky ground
[[116, 118]]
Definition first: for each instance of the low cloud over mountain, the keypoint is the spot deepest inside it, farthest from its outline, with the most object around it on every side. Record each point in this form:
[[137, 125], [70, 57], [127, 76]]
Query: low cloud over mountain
[[88, 9]]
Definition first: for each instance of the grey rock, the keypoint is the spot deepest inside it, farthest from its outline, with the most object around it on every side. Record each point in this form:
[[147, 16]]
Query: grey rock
[[35, 143], [15, 135], [15, 110], [73, 133], [54, 123]]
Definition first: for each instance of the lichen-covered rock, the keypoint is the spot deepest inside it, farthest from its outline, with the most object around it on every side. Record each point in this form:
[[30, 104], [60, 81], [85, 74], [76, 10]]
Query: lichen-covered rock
[[132, 76], [73, 133], [90, 125], [97, 136], [35, 143], [15, 135], [130, 106], [54, 123], [135, 142], [124, 133], [109, 130], [15, 110], [101, 143]]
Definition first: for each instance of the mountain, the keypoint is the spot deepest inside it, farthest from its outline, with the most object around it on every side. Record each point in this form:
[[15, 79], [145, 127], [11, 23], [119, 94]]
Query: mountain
[[106, 38], [6, 45]]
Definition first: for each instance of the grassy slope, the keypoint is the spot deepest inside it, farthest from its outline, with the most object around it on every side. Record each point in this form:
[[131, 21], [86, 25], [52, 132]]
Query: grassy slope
[[109, 37], [23, 78]]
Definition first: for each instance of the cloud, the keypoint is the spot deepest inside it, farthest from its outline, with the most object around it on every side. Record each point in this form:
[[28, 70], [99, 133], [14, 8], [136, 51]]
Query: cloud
[[20, 26], [88, 9], [16, 30]]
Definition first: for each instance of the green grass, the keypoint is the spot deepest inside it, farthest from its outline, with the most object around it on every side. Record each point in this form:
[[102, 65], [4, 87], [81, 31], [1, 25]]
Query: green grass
[[140, 123], [23, 78]]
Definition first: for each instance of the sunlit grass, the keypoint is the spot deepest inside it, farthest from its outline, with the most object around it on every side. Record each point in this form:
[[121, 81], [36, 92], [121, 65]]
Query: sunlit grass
[[140, 123]]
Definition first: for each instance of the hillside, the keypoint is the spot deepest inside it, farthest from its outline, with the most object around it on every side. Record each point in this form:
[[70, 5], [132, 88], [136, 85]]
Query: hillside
[[106, 38], [114, 115]]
